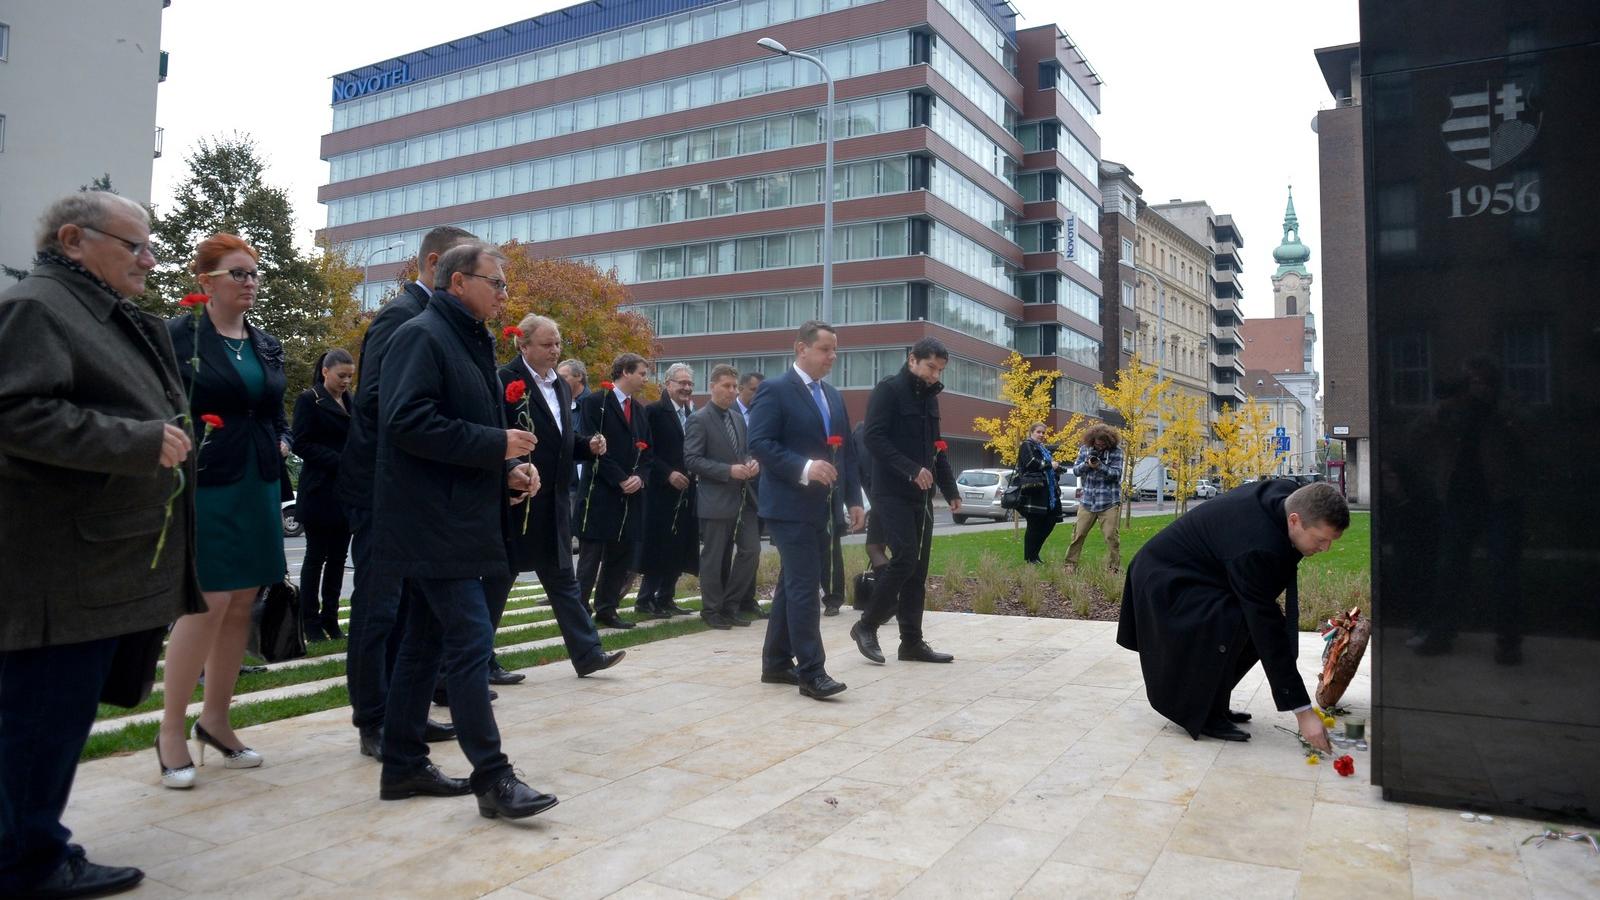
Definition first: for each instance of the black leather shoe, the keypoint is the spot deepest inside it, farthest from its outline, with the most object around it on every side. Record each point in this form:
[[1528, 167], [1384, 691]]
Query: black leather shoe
[[830, 609], [372, 743], [514, 800], [498, 675], [332, 628], [717, 622], [1224, 730], [607, 660], [742, 620], [921, 652], [1238, 717], [673, 609], [782, 676], [434, 732], [427, 781], [77, 877], [867, 642], [821, 687], [611, 620], [315, 634]]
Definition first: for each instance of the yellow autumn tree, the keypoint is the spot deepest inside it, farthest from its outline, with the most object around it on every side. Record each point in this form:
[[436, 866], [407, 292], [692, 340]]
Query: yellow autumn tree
[[1183, 444], [1031, 394], [1137, 396], [1243, 447], [339, 276]]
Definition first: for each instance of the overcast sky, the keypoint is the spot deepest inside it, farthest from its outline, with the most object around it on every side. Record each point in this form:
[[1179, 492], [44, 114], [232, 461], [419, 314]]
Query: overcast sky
[[1202, 101]]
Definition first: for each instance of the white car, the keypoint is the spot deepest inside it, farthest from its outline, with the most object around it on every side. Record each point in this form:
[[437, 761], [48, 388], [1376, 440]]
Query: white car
[[981, 489], [1204, 490]]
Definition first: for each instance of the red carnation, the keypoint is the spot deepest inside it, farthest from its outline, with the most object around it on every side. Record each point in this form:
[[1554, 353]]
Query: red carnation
[[515, 390], [193, 300], [940, 446], [641, 446], [1345, 765], [511, 331], [835, 440], [606, 385], [212, 420]]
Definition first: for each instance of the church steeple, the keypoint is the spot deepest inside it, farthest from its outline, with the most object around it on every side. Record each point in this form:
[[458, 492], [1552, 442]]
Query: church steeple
[[1291, 255]]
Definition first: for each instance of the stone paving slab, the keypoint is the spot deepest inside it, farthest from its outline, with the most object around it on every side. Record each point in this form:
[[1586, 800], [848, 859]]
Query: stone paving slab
[[1032, 767]]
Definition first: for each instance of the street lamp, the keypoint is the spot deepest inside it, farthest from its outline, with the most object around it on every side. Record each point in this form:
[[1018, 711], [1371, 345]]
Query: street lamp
[[827, 173], [366, 269], [1161, 367]]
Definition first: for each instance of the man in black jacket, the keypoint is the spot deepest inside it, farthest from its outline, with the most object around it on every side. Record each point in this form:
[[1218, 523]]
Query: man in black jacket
[[610, 510], [1200, 603], [671, 544], [441, 508], [539, 538], [901, 433], [377, 595]]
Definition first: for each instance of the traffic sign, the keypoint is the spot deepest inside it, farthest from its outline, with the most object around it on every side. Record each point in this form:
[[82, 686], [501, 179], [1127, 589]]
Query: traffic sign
[[1283, 444], [1280, 431]]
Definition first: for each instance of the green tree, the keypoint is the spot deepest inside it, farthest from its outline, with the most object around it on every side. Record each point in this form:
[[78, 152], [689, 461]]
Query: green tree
[[226, 191]]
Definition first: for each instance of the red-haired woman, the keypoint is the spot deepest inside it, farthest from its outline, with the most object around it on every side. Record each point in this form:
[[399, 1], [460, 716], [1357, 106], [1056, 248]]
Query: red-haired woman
[[239, 532]]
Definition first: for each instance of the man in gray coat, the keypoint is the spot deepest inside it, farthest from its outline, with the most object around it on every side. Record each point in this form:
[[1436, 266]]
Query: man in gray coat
[[715, 450], [90, 402]]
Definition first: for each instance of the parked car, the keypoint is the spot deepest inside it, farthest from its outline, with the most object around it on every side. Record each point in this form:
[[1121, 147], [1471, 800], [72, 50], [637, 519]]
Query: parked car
[[1205, 489], [292, 526], [981, 489]]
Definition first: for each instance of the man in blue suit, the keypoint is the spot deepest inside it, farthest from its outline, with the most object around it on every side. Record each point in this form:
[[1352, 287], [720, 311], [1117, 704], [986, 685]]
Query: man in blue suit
[[797, 432]]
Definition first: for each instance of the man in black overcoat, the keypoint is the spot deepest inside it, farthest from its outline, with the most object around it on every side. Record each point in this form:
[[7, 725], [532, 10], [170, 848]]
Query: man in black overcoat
[[902, 433], [1200, 603], [376, 596], [671, 544], [440, 504], [539, 538], [610, 507]]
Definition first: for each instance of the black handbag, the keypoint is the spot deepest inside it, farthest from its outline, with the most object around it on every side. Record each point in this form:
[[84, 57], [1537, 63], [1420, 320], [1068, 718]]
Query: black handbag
[[277, 629], [1011, 497], [133, 667], [865, 583]]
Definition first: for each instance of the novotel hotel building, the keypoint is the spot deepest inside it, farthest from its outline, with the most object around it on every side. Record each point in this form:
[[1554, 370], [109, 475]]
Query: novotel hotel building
[[654, 137]]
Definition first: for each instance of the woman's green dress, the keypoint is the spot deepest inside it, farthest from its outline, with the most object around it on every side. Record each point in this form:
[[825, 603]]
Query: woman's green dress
[[239, 526]]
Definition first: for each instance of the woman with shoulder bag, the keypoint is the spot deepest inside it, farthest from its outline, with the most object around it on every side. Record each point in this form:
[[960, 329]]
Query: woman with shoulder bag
[[321, 423], [1041, 499], [238, 523]]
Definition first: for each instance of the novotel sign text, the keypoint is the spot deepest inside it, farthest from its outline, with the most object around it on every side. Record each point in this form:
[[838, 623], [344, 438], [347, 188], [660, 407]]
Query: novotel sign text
[[349, 90]]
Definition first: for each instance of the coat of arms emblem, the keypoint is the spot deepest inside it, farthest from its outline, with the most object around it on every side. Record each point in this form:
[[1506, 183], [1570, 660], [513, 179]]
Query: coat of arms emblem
[[1490, 127]]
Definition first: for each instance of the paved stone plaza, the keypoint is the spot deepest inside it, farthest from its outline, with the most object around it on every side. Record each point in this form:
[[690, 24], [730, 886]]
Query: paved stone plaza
[[1032, 767]]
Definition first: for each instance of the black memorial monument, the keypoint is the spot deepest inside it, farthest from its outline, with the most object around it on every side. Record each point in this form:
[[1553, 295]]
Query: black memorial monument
[[1482, 123]]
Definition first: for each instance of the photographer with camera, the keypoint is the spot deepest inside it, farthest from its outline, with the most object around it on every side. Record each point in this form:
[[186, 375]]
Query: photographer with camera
[[1099, 471]]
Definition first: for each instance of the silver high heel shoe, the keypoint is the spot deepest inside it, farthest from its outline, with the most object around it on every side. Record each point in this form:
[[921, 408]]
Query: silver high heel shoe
[[180, 778], [242, 758]]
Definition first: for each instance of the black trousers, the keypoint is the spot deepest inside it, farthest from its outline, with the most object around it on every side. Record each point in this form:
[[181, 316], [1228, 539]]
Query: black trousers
[[322, 574], [604, 568], [1039, 527], [902, 585], [48, 698], [561, 589], [833, 591], [656, 591]]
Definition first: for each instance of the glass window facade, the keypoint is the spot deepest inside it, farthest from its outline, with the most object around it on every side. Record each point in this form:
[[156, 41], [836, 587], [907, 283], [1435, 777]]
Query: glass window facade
[[955, 189], [704, 24], [980, 26], [960, 252], [972, 141], [973, 86], [891, 51]]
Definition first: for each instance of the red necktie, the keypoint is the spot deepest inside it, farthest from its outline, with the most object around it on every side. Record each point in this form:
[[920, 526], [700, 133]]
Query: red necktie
[[627, 411]]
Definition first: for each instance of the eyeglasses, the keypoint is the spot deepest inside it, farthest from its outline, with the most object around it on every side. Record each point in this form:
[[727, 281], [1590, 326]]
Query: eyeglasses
[[137, 248], [682, 382], [239, 276], [498, 285]]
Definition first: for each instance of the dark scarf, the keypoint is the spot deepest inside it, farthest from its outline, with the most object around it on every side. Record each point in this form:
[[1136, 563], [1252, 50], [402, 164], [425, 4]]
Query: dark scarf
[[49, 257]]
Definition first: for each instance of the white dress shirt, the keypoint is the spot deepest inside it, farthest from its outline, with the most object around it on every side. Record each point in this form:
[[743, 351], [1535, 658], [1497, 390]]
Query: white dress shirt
[[805, 472], [547, 387]]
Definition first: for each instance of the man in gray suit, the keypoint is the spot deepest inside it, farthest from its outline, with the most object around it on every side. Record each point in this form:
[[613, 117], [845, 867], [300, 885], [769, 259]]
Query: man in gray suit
[[715, 449]]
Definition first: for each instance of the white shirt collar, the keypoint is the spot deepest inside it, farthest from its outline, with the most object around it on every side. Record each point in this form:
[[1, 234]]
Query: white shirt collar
[[621, 397], [804, 378], [685, 408], [545, 381]]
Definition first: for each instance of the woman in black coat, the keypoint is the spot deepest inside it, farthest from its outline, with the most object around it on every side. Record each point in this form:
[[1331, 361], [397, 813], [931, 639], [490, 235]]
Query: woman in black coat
[[321, 423], [1040, 508], [234, 374]]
